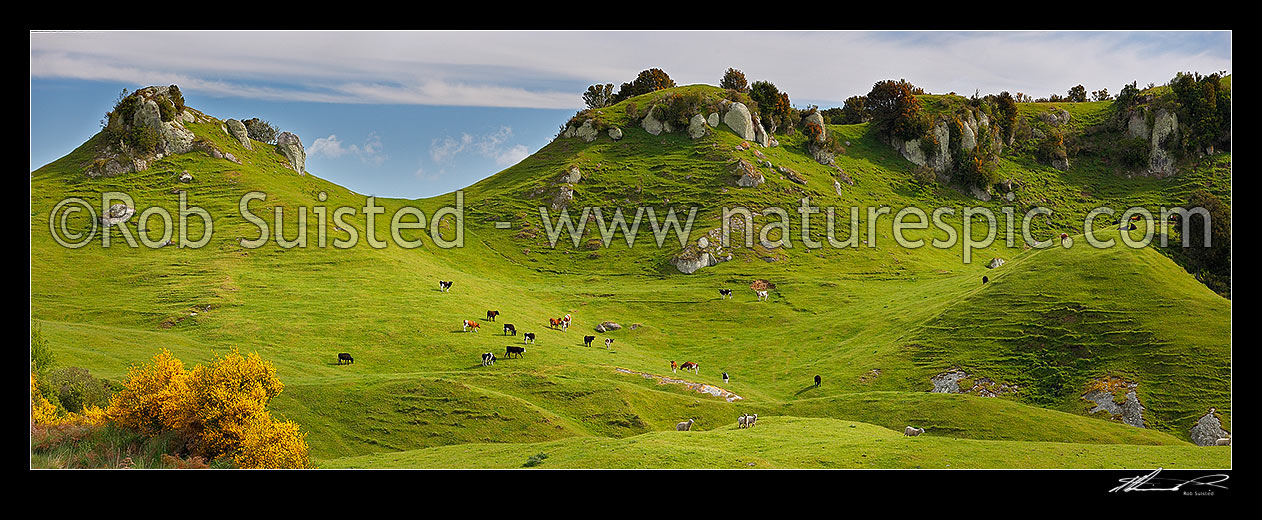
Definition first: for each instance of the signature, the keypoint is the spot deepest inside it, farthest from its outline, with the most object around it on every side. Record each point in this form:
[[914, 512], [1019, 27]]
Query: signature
[[1150, 482]]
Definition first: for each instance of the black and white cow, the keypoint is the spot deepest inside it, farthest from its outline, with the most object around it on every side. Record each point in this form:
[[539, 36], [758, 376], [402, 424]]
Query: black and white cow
[[608, 342], [725, 293], [528, 337], [510, 329], [444, 286], [488, 359]]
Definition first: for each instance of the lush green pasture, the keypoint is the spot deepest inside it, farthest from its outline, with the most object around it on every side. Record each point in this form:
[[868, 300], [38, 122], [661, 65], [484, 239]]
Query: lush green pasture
[[875, 321]]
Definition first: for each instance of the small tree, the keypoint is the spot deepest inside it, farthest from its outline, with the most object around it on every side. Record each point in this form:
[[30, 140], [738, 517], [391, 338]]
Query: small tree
[[854, 110], [1101, 95], [734, 80], [598, 96], [895, 110], [1077, 94], [260, 130]]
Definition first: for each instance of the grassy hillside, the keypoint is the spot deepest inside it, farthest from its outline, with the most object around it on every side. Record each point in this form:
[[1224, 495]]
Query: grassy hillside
[[874, 322]]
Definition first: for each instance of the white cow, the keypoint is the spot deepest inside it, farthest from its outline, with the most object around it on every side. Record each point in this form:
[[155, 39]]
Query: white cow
[[684, 426], [912, 432]]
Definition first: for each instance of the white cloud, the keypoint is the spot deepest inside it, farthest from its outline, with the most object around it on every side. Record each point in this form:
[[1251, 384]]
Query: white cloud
[[525, 68], [332, 147], [492, 145]]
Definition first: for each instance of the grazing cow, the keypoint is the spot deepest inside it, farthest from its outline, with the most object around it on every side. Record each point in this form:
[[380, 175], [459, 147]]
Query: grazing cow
[[1225, 441], [725, 378], [510, 350], [488, 359], [554, 322], [985, 279], [912, 432], [587, 340], [345, 357], [470, 324], [608, 342], [685, 426], [725, 293], [490, 315], [762, 295], [444, 286], [528, 337], [689, 365], [740, 421], [673, 367], [509, 328], [565, 322], [818, 381]]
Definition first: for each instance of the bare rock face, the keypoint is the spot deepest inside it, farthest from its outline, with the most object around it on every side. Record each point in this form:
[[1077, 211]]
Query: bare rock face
[[1207, 430], [947, 382], [713, 120], [291, 147], [1129, 411], [116, 158], [761, 136], [238, 131], [572, 175], [818, 119], [565, 194], [738, 119], [994, 263], [615, 133], [607, 326], [1160, 161]]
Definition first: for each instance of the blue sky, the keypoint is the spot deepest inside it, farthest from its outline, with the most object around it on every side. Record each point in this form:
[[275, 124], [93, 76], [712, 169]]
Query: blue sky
[[415, 114]]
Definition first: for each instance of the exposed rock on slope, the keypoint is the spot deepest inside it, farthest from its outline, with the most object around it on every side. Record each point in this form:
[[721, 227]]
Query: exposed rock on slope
[[238, 131], [291, 147], [738, 119], [146, 118], [1106, 395], [1207, 430]]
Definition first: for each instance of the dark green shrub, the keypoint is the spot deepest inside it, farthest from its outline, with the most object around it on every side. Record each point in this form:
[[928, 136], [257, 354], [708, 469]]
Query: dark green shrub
[[78, 389], [1132, 152], [734, 80], [166, 109], [260, 130], [177, 97]]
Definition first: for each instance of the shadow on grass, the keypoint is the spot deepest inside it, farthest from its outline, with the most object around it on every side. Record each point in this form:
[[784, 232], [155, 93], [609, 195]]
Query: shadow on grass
[[805, 389]]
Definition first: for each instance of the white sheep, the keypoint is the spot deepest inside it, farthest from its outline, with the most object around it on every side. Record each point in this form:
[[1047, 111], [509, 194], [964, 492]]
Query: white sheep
[[750, 420], [740, 421], [684, 426], [1225, 441], [912, 432]]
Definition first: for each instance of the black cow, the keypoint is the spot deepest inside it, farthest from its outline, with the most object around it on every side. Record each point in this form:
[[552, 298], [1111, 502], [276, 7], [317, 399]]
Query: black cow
[[510, 350], [587, 340], [345, 357], [528, 337], [508, 327], [985, 279], [817, 381], [444, 286], [725, 293], [488, 359], [490, 315]]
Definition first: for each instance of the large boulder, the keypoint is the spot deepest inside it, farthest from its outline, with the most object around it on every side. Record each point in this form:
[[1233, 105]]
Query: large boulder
[[572, 175], [238, 131], [587, 132], [713, 120], [615, 133], [968, 137], [738, 119], [606, 326], [1137, 125], [706, 251], [291, 147], [652, 124], [697, 127]]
